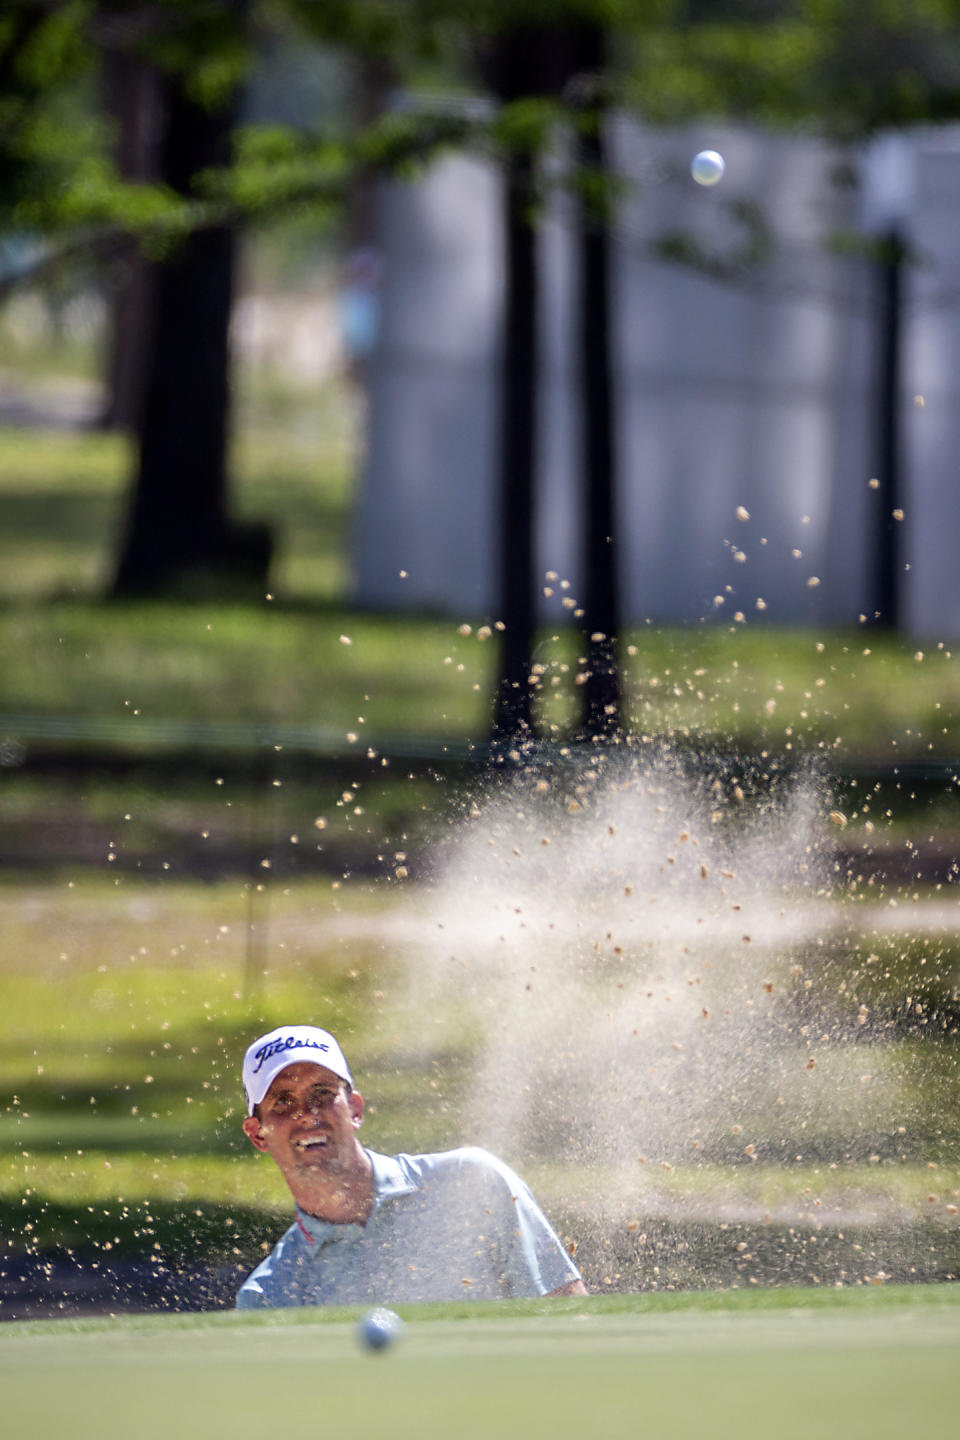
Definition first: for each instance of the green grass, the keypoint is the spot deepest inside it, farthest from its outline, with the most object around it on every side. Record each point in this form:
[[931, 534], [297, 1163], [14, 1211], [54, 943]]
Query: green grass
[[870, 1364], [380, 678], [139, 666], [794, 692]]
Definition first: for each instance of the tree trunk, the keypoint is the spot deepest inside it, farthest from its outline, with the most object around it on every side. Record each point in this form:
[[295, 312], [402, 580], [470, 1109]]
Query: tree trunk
[[178, 535], [527, 58], [601, 690], [886, 580], [131, 99], [518, 455]]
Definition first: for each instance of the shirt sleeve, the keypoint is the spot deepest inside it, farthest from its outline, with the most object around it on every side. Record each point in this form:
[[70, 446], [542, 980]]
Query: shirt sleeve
[[251, 1295], [533, 1258], [271, 1284]]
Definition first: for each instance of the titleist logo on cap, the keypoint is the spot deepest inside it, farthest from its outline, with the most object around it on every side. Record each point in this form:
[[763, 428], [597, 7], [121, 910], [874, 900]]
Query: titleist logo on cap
[[283, 1046], [285, 1042]]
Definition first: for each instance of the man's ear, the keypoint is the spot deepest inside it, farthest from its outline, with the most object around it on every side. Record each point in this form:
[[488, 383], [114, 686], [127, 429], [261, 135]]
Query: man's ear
[[251, 1128], [356, 1108]]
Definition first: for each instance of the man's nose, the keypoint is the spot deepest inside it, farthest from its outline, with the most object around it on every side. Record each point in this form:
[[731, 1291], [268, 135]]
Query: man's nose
[[310, 1106]]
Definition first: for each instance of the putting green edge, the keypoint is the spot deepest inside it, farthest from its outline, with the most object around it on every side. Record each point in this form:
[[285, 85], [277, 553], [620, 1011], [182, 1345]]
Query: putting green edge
[[788, 1298]]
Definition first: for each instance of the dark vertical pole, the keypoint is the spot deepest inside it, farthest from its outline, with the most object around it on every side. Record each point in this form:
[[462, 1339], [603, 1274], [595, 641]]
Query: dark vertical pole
[[601, 700], [886, 580], [513, 713]]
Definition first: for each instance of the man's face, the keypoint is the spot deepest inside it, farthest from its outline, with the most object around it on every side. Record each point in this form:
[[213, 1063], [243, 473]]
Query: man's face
[[307, 1122]]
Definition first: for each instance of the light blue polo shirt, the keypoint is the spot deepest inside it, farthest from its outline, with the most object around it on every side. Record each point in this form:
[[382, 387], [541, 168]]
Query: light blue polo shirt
[[459, 1223]]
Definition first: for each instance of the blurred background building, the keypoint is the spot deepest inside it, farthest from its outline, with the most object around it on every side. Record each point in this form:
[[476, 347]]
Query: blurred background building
[[748, 361]]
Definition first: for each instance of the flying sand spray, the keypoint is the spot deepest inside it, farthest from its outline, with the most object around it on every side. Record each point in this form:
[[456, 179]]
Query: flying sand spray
[[645, 947]]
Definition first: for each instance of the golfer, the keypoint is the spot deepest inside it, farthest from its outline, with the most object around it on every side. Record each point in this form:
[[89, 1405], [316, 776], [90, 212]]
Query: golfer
[[379, 1229]]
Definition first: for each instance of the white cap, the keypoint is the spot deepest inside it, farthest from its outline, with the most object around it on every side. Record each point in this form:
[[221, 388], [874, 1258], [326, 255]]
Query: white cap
[[288, 1045]]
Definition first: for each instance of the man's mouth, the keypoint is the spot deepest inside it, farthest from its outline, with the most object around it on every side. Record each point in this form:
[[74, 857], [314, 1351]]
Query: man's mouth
[[311, 1142]]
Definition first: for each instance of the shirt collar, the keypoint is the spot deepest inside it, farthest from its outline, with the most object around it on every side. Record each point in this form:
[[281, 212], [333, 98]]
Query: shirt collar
[[389, 1178], [389, 1182]]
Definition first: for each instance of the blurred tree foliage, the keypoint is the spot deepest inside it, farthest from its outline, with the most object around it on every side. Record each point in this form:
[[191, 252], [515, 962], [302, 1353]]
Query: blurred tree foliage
[[845, 69]]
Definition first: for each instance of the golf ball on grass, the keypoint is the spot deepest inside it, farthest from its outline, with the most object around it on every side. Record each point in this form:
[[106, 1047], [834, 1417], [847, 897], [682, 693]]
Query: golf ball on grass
[[378, 1329], [707, 167]]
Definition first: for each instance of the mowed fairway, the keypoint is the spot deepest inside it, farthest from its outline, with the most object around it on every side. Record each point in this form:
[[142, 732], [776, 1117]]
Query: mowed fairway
[[772, 1364]]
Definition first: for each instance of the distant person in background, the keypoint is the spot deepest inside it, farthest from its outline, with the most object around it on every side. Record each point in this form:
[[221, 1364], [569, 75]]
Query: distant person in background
[[378, 1229], [360, 308]]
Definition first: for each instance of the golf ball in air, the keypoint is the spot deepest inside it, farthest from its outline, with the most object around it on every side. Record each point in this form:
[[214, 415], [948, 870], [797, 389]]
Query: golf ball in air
[[379, 1328], [707, 167]]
